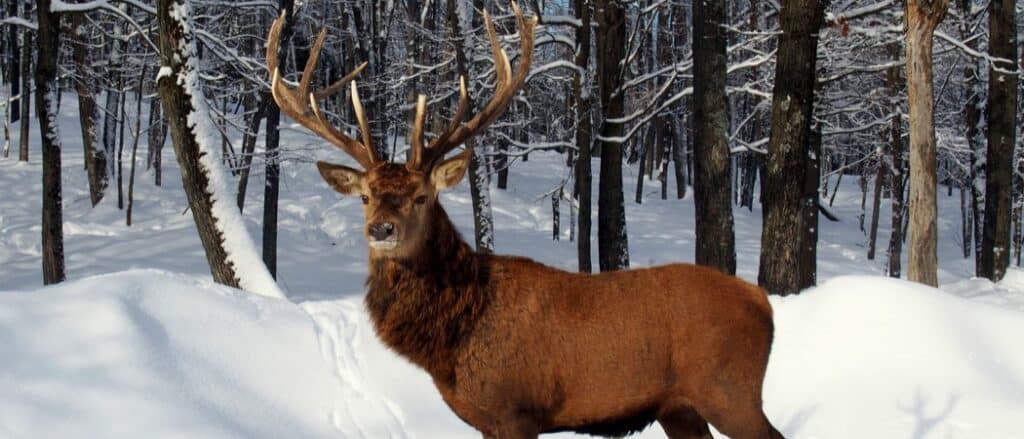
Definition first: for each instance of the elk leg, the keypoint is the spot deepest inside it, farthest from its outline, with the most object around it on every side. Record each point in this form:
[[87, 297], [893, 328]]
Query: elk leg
[[684, 422]]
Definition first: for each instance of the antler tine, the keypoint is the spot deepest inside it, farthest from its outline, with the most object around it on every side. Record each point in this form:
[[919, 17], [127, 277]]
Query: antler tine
[[302, 105], [364, 127], [504, 91], [416, 148], [460, 114]]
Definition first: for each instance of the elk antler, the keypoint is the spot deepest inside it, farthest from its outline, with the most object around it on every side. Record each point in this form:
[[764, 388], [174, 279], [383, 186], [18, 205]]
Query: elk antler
[[302, 105], [508, 83]]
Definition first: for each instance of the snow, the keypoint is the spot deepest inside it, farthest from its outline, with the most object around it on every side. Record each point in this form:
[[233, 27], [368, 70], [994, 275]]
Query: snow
[[141, 343], [858, 356]]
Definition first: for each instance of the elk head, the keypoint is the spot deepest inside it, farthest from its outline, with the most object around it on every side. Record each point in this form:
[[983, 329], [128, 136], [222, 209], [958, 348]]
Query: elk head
[[398, 200]]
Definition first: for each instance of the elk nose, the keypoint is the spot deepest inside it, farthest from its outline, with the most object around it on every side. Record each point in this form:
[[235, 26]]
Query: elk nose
[[381, 231]]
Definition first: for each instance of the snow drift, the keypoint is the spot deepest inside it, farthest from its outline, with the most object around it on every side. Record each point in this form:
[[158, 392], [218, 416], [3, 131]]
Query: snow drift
[[154, 354]]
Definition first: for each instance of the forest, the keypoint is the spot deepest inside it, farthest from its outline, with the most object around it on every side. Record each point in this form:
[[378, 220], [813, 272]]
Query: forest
[[662, 87], [169, 247]]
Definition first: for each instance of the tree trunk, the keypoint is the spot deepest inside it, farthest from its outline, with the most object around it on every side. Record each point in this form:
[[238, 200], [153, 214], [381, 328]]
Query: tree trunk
[[249, 147], [873, 231], [787, 164], [922, 17], [47, 50], [1002, 134], [712, 183], [479, 180], [612, 242], [271, 190], [812, 202], [582, 105], [95, 157], [897, 185], [135, 145], [26, 92], [679, 157], [967, 220], [645, 159], [122, 119], [272, 170], [16, 8], [229, 250], [156, 140]]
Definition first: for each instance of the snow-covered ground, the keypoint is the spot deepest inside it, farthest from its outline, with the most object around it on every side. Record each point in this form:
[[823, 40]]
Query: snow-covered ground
[[140, 342]]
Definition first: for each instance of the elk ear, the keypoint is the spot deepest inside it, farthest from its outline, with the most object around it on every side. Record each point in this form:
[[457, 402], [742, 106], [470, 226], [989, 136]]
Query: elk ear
[[343, 179], [450, 172]]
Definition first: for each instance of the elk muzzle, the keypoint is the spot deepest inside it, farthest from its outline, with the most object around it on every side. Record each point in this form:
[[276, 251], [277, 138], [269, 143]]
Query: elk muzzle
[[382, 235]]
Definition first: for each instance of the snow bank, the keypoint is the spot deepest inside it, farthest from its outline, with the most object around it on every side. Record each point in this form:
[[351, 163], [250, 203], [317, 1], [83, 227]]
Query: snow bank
[[151, 354], [867, 356]]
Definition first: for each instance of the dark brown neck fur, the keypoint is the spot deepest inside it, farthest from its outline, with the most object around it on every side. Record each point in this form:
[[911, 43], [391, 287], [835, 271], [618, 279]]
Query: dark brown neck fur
[[425, 306]]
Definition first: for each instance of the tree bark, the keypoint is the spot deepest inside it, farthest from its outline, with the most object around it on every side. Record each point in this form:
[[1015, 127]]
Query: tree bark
[[922, 16], [897, 175], [95, 157], [1002, 134], [787, 164], [272, 170], [584, 127], [26, 91], [156, 139], [479, 180], [16, 8], [47, 49], [135, 145], [249, 147], [712, 182], [875, 204], [612, 241]]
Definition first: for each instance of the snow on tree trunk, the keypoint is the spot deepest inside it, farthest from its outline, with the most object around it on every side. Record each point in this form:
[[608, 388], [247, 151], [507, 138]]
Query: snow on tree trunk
[[923, 16], [229, 249], [48, 38]]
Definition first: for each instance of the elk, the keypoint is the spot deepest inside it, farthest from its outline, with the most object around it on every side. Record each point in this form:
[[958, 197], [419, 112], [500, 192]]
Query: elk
[[517, 348]]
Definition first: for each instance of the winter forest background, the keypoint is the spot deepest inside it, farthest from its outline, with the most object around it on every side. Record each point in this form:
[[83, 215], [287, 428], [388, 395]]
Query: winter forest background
[[778, 140]]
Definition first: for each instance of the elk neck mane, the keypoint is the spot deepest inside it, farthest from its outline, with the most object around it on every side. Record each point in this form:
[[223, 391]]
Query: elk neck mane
[[426, 305]]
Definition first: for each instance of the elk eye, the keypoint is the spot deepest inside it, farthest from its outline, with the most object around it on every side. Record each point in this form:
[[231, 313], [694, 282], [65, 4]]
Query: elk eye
[[421, 199], [366, 200]]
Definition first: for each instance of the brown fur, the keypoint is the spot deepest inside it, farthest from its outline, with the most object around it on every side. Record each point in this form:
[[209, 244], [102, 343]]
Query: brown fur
[[517, 348]]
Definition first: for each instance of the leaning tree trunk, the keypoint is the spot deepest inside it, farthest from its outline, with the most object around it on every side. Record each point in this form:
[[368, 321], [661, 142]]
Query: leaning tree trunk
[[612, 242], [922, 16], [781, 271], [1002, 130], [47, 49], [712, 182], [581, 95], [229, 250]]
